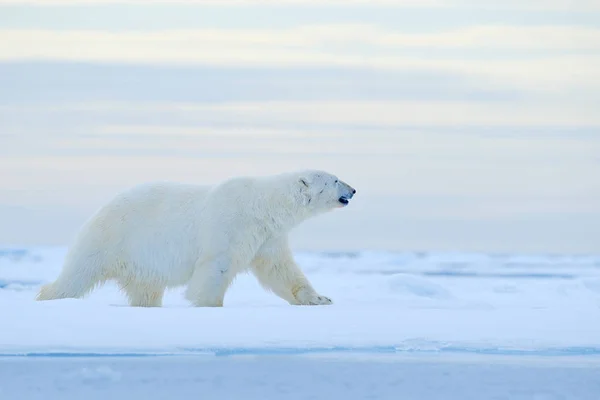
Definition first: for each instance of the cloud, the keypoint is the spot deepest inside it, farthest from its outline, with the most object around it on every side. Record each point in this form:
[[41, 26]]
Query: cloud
[[362, 46], [81, 82], [572, 38], [400, 3], [351, 36], [381, 114], [567, 5]]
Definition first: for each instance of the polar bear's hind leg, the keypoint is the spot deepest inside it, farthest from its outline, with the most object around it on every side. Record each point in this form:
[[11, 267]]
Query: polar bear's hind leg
[[73, 282], [142, 294]]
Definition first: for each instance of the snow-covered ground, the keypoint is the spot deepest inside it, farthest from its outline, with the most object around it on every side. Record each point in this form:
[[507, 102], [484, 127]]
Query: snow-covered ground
[[403, 325]]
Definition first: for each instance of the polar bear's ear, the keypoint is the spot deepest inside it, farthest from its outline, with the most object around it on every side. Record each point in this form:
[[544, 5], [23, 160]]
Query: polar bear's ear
[[304, 192], [303, 181]]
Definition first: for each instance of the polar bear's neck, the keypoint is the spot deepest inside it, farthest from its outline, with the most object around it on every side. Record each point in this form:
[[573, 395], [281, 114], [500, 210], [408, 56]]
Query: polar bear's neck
[[283, 204]]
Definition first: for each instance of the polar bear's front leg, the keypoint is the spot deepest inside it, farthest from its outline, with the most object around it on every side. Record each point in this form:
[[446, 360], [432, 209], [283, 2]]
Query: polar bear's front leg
[[210, 281], [276, 270], [306, 295]]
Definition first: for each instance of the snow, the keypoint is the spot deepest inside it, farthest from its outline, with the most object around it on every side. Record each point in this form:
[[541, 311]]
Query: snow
[[382, 300], [529, 322]]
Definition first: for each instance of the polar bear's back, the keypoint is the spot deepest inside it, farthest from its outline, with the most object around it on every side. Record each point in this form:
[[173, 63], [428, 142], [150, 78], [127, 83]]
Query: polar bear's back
[[151, 204]]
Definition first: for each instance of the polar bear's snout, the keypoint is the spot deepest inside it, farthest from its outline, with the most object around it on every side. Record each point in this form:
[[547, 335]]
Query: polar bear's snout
[[347, 193]]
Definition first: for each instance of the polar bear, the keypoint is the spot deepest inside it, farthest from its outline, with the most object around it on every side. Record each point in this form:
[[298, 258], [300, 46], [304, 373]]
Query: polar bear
[[161, 235]]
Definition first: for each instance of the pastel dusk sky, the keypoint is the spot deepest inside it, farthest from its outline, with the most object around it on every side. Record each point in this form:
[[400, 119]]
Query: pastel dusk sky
[[465, 125]]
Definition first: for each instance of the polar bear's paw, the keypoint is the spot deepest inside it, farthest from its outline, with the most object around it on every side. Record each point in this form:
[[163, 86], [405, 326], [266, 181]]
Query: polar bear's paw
[[307, 297], [319, 301]]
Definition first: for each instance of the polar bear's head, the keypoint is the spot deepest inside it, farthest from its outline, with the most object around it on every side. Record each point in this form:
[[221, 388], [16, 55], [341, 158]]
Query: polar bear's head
[[323, 191]]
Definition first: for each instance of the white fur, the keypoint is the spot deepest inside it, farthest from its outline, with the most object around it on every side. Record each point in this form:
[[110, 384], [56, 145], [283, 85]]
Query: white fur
[[162, 235]]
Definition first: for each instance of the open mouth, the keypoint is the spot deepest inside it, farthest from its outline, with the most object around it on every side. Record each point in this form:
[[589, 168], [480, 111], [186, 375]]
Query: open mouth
[[344, 200]]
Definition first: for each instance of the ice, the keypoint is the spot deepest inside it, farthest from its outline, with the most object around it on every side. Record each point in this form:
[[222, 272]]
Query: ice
[[532, 319], [381, 300]]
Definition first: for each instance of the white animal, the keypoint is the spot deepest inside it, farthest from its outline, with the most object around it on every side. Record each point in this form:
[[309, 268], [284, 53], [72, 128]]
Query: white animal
[[163, 235]]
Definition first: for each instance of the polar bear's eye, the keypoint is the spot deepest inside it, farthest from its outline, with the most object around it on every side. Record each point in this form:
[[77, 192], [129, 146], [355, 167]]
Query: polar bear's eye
[[336, 181]]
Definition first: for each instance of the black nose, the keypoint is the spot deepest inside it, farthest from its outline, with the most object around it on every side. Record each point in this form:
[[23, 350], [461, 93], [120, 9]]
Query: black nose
[[353, 191]]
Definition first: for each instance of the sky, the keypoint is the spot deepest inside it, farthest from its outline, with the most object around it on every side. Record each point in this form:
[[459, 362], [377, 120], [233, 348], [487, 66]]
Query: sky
[[464, 125]]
